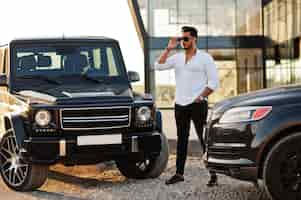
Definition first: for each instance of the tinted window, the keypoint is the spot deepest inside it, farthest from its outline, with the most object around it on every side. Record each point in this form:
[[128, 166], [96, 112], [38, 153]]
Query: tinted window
[[2, 60], [64, 60]]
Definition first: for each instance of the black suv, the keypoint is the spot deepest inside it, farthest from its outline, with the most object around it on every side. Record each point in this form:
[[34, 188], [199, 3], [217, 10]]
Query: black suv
[[257, 136], [70, 101]]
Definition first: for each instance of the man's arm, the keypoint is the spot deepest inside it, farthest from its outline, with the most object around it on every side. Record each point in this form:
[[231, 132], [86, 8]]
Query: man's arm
[[213, 82], [165, 62], [207, 91], [164, 56]]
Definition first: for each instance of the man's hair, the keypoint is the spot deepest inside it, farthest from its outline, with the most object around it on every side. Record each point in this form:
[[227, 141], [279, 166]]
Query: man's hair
[[193, 31]]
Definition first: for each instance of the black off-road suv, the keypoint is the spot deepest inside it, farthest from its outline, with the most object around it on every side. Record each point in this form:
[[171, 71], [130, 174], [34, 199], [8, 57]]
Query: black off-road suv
[[70, 101]]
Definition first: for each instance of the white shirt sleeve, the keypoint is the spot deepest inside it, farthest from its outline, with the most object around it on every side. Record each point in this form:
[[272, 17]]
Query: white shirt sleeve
[[212, 74], [169, 63]]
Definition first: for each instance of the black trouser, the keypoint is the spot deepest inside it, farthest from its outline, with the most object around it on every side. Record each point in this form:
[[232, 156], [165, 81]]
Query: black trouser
[[197, 112]]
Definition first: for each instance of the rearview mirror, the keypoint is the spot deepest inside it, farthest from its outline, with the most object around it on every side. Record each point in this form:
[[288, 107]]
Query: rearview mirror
[[133, 76], [3, 80]]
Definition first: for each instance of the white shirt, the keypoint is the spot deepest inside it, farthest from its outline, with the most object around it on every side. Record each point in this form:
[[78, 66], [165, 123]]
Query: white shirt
[[192, 77]]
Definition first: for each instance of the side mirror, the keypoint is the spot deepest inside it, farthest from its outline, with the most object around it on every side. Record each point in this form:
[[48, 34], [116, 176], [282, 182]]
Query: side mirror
[[3, 80], [133, 76]]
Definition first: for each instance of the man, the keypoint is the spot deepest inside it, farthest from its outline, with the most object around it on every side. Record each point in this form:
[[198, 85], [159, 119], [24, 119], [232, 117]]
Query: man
[[196, 78]]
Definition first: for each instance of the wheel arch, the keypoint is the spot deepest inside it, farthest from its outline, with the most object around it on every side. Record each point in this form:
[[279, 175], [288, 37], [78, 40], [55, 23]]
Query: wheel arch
[[7, 123], [15, 122], [159, 124], [273, 141]]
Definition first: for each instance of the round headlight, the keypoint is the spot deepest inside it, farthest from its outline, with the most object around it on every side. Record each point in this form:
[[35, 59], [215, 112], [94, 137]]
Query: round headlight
[[144, 113], [43, 117]]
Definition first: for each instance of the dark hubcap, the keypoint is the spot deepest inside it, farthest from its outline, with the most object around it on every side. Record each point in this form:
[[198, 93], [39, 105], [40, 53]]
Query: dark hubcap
[[290, 173], [144, 165]]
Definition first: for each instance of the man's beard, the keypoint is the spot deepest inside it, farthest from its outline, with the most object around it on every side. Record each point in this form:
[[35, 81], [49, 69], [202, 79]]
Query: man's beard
[[188, 47]]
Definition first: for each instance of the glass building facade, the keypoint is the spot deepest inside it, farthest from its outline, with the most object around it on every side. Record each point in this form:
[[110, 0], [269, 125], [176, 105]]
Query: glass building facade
[[255, 43]]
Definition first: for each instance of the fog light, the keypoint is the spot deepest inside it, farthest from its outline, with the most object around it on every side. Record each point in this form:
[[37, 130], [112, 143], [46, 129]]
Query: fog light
[[241, 145]]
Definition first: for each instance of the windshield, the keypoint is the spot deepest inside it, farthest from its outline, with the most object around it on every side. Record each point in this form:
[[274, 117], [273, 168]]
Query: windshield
[[55, 65]]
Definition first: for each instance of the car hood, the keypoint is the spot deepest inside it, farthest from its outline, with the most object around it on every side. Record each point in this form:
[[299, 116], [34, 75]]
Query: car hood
[[265, 97], [77, 94]]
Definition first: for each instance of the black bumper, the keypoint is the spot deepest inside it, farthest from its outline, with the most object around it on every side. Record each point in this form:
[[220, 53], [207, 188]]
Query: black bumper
[[52, 150], [229, 150], [242, 168]]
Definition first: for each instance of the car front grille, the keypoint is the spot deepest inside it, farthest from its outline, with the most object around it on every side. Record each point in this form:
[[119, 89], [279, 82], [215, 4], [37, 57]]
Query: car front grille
[[95, 118]]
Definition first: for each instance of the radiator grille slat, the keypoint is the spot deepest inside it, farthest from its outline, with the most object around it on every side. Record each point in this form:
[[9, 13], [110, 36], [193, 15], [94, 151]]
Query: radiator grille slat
[[95, 118]]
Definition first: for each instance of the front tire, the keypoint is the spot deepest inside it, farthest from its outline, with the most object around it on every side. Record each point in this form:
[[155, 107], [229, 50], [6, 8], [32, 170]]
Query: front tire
[[282, 169], [148, 168], [15, 173]]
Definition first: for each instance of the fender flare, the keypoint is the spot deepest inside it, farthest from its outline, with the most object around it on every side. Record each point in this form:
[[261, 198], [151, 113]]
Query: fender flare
[[284, 122], [274, 126], [159, 125], [16, 124]]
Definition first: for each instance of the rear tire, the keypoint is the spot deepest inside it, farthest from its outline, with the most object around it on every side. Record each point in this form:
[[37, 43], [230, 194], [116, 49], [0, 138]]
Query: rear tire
[[282, 169], [148, 168], [15, 173]]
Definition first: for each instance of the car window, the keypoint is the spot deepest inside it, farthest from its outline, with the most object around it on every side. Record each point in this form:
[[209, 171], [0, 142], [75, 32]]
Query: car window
[[97, 58], [55, 61], [98, 61], [111, 62], [2, 66], [22, 56]]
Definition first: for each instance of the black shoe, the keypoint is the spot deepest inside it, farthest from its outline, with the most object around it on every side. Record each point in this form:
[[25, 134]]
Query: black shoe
[[212, 182], [175, 179]]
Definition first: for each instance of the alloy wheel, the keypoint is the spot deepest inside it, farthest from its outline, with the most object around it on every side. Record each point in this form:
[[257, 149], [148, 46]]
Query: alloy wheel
[[290, 174], [13, 168]]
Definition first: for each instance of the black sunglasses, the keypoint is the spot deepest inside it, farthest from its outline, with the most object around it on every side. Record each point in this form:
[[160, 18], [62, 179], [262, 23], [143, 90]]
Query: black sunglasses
[[185, 39]]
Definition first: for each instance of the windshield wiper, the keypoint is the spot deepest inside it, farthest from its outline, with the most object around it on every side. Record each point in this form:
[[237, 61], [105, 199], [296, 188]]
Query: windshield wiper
[[44, 78], [92, 78]]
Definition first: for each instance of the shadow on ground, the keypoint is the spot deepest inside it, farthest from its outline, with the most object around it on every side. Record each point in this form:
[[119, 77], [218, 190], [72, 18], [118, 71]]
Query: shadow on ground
[[89, 183]]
